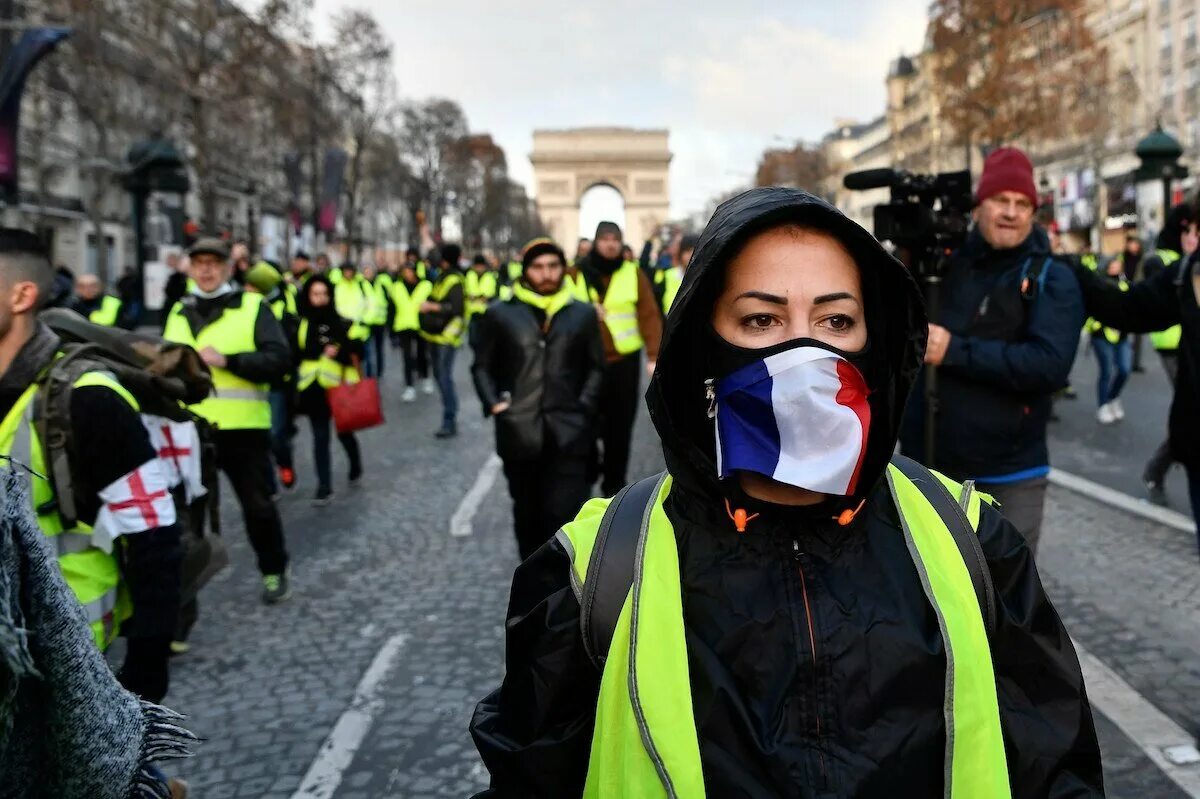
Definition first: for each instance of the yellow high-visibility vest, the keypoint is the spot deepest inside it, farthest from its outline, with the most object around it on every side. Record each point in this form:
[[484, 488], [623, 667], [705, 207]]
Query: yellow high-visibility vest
[[620, 308], [451, 334], [408, 304], [108, 312], [645, 742], [91, 573], [1167, 340], [479, 289], [236, 403], [326, 372]]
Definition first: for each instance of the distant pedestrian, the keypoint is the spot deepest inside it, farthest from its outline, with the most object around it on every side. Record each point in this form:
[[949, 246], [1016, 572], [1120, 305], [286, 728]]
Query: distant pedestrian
[[1131, 265], [328, 356], [443, 324], [1113, 353], [408, 293], [538, 371]]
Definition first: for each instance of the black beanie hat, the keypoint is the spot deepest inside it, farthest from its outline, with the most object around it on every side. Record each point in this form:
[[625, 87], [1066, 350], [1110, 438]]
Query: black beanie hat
[[609, 227], [540, 246]]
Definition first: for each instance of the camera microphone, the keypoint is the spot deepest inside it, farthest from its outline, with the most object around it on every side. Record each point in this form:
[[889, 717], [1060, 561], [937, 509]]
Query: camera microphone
[[870, 179]]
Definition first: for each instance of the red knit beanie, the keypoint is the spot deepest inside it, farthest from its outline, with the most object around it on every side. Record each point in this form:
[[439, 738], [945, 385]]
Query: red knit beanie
[[1006, 169]]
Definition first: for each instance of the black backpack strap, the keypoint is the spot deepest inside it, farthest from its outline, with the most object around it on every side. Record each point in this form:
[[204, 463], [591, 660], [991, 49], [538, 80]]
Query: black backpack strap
[[610, 568], [955, 519]]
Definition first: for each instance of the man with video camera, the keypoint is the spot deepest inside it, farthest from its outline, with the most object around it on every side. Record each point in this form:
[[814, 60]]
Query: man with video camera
[[1005, 336]]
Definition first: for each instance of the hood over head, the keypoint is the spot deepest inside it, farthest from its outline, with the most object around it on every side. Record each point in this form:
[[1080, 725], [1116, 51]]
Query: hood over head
[[1171, 236], [895, 316]]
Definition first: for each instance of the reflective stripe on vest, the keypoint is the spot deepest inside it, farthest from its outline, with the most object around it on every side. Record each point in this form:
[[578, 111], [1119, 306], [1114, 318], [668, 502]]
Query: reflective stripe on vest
[[107, 313], [1168, 339], [451, 334], [1111, 335], [326, 372], [645, 742], [91, 573], [236, 403], [620, 308]]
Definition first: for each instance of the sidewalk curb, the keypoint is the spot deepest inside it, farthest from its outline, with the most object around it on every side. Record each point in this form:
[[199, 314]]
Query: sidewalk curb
[[1116, 499]]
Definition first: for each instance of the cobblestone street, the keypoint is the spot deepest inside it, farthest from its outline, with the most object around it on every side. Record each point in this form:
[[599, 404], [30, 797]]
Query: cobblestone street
[[382, 588]]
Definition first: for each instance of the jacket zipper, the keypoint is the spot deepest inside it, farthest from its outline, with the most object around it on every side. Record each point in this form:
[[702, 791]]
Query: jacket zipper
[[812, 642]]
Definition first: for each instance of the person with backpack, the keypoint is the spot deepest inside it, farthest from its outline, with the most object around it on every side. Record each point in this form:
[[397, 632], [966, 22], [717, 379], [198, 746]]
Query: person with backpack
[[103, 500], [537, 371], [787, 610], [1005, 336], [329, 356], [244, 345]]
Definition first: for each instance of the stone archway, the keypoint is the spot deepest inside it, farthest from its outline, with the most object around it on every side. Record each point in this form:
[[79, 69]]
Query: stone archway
[[566, 163]]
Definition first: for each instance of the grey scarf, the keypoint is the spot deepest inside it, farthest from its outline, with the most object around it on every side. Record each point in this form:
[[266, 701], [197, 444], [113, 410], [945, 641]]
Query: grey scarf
[[68, 730]]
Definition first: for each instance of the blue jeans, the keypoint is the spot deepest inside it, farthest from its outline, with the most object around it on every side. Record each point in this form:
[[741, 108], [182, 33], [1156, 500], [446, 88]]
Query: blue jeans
[[443, 373], [322, 424], [369, 351], [1116, 362]]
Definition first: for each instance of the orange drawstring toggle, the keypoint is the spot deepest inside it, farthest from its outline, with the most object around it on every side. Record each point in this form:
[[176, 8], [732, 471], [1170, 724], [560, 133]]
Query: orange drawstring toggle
[[847, 516], [739, 517]]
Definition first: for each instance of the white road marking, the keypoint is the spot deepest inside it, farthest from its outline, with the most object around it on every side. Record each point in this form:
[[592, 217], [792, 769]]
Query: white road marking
[[1168, 745], [338, 750], [1117, 499], [460, 522]]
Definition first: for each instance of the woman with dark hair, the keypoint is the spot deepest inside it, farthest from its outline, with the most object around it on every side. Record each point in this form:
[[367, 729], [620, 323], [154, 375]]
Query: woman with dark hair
[[789, 609], [328, 357]]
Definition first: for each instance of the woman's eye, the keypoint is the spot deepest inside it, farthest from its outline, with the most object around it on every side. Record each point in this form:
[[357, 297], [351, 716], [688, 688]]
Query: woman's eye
[[840, 322], [759, 321]]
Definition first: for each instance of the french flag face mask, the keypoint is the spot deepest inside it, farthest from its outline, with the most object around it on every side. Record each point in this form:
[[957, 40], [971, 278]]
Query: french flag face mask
[[799, 416]]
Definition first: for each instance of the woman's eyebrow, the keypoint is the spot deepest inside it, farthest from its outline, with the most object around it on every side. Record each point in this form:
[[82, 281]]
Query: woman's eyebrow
[[774, 299], [840, 295]]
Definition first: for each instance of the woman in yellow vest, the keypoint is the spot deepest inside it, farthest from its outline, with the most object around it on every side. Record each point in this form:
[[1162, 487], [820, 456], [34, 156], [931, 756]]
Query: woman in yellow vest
[[787, 611], [328, 357]]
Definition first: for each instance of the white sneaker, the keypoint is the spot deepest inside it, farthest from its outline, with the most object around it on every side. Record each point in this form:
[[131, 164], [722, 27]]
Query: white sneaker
[[427, 387], [409, 395], [1105, 415], [1118, 410]]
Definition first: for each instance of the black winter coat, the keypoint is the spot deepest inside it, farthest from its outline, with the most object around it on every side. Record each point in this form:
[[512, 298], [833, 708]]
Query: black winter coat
[[816, 665], [1007, 357], [1168, 298], [552, 371]]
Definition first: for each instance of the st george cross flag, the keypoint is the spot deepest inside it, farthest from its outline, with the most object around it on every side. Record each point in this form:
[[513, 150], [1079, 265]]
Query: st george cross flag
[[800, 417], [178, 447], [139, 501]]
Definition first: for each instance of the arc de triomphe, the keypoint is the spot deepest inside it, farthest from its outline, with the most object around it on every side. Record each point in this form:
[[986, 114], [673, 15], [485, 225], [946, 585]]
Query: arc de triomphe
[[566, 163]]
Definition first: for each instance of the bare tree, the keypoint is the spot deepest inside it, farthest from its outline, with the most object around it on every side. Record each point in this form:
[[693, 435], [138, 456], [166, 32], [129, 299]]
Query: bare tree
[[800, 166], [1003, 68], [429, 133]]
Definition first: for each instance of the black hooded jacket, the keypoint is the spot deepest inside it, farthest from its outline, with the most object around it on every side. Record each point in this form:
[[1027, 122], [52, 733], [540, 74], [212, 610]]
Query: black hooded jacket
[[859, 713], [815, 660]]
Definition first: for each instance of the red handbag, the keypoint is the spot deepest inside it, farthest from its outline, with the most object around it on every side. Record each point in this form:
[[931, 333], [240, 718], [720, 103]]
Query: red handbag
[[355, 406]]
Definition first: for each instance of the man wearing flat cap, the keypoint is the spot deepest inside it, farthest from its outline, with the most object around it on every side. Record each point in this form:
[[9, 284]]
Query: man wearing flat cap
[[243, 344]]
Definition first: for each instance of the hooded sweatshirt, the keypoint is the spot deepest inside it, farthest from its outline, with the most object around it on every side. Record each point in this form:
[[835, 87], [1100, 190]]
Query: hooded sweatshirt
[[815, 662]]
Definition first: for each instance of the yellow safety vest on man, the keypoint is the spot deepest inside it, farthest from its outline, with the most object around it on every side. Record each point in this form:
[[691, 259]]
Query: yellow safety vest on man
[[644, 742], [672, 280], [408, 304], [479, 289], [92, 573], [1167, 340], [620, 308], [236, 403], [451, 334], [108, 312], [284, 303], [326, 372]]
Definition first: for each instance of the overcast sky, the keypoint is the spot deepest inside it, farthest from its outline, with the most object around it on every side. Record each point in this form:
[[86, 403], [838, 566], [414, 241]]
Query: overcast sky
[[727, 77]]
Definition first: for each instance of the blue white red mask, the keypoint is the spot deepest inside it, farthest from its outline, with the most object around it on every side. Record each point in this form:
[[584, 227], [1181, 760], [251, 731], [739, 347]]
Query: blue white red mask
[[799, 416]]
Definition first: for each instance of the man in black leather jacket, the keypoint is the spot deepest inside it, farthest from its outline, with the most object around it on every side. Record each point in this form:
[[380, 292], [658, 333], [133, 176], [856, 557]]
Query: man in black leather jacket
[[538, 369]]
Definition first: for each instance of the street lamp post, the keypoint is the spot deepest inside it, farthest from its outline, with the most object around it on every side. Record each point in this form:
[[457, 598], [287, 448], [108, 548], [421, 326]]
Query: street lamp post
[[154, 165], [1159, 153]]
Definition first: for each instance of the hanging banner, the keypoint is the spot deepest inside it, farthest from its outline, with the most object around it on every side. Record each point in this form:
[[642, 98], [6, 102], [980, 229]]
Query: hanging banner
[[331, 189], [33, 44]]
